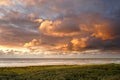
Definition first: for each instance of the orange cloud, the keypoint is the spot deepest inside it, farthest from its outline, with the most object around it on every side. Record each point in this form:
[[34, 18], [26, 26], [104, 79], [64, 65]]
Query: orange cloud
[[76, 44], [79, 43], [63, 47], [103, 31], [5, 2], [81, 32], [54, 28], [33, 43], [38, 20], [34, 2]]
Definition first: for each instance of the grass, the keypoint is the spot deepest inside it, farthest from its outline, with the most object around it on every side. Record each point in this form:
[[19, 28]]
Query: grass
[[62, 72]]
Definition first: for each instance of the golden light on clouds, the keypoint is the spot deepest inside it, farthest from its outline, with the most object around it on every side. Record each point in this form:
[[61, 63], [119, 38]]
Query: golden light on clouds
[[38, 20], [79, 43], [54, 28], [43, 25], [14, 50], [33, 43], [103, 31], [5, 2]]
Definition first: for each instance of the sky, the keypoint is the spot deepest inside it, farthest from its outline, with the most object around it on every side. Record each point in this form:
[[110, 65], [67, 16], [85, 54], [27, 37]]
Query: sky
[[47, 27]]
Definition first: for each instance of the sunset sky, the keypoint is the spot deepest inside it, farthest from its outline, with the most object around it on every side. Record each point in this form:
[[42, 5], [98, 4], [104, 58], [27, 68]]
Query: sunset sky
[[70, 27]]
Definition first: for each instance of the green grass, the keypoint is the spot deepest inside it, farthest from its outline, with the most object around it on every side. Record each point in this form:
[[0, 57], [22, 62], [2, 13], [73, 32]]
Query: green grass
[[64, 72]]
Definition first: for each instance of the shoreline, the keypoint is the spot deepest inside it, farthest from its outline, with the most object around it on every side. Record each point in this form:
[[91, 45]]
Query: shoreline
[[57, 65]]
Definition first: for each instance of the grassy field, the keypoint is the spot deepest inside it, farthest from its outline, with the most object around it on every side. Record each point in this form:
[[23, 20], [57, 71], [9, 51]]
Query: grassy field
[[64, 72]]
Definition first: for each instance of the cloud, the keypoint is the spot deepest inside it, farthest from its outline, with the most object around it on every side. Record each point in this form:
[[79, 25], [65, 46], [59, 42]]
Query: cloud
[[63, 25], [33, 43], [5, 3], [88, 29], [79, 43], [59, 28], [103, 31], [33, 2]]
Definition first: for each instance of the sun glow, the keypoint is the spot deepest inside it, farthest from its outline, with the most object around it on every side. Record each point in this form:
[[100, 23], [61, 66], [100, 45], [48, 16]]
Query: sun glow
[[7, 49]]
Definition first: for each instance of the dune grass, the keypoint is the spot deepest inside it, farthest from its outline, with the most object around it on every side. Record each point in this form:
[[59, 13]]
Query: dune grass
[[62, 72]]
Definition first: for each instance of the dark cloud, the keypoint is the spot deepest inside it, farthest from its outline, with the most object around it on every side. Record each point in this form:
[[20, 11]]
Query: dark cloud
[[68, 25], [16, 29]]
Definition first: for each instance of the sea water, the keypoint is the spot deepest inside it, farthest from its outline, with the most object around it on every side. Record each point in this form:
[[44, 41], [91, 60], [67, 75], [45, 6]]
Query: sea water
[[21, 62]]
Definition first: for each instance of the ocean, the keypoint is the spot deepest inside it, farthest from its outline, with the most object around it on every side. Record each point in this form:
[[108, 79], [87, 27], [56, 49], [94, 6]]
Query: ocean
[[21, 62]]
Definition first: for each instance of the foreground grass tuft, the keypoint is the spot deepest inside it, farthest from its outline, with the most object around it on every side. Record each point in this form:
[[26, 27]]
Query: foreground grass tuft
[[64, 72]]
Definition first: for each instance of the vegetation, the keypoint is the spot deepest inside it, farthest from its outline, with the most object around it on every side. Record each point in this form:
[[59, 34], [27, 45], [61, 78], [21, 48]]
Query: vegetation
[[64, 72]]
